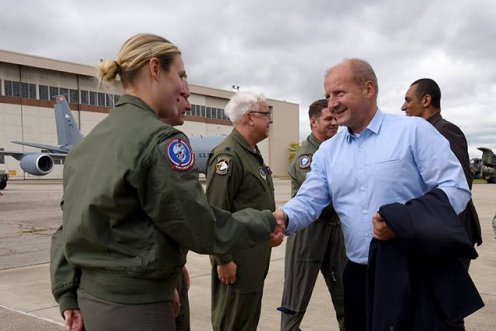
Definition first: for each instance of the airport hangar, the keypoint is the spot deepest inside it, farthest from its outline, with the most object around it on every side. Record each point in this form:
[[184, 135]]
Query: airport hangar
[[28, 85]]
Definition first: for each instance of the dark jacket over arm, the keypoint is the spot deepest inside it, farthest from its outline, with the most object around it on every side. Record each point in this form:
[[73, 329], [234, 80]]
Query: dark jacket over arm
[[416, 281]]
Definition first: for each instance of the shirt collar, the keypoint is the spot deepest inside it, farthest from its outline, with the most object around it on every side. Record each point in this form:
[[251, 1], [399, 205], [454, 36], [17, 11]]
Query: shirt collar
[[312, 140], [135, 101], [242, 141], [374, 125], [435, 118]]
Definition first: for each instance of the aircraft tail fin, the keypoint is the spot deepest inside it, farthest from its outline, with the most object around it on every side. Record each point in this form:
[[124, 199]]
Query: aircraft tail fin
[[68, 132], [488, 157]]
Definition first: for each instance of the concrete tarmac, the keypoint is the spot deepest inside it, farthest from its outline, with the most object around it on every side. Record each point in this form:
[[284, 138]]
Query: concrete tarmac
[[30, 213]]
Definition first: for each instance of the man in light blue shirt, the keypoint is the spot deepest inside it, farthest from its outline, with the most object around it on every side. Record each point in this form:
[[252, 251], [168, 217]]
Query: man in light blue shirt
[[379, 159]]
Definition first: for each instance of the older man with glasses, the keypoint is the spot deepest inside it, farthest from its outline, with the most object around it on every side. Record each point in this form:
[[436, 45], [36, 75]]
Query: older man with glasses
[[237, 178]]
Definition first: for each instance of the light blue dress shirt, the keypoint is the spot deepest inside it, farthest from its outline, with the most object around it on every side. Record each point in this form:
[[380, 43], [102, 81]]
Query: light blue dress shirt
[[395, 159]]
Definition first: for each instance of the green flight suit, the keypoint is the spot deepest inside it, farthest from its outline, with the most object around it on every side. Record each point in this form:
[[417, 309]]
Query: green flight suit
[[318, 247], [133, 205], [238, 178]]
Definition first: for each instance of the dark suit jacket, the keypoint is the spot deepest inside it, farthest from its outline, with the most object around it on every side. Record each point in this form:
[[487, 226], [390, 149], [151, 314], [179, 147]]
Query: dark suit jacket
[[416, 281], [458, 145]]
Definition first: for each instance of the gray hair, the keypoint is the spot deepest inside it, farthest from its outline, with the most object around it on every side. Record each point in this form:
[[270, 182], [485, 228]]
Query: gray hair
[[242, 103]]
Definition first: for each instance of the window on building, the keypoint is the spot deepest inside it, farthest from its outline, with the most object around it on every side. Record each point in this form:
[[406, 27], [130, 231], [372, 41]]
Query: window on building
[[84, 97], [195, 109], [24, 90], [28, 90], [43, 92], [65, 92], [202, 111], [32, 91], [110, 100], [209, 112], [93, 100], [224, 117], [101, 99], [7, 86], [73, 96], [12, 89], [54, 91], [16, 86]]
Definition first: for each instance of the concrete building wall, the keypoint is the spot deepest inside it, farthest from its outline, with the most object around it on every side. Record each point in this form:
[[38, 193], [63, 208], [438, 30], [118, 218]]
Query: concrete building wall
[[284, 131]]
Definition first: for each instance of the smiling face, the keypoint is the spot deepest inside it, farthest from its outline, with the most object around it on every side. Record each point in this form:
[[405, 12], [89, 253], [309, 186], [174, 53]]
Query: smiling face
[[324, 126], [262, 119], [169, 88], [352, 103], [183, 105]]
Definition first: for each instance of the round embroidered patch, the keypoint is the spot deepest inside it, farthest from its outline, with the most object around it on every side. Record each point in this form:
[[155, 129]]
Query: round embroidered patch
[[223, 164], [305, 162], [180, 155]]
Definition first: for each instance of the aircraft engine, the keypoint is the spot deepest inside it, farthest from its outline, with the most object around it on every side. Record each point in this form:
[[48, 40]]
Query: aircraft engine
[[37, 164]]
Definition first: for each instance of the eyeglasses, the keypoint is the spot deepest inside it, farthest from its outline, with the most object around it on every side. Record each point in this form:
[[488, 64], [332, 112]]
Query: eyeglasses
[[264, 113]]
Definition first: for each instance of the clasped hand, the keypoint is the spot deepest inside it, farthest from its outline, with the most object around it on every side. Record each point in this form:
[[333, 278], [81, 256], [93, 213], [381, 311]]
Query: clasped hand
[[277, 237]]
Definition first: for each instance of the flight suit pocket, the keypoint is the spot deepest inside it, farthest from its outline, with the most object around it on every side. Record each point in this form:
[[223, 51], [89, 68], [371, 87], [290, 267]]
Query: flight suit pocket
[[253, 185]]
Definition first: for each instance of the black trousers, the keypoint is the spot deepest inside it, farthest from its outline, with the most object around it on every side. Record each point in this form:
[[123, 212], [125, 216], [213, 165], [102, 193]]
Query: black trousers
[[354, 287]]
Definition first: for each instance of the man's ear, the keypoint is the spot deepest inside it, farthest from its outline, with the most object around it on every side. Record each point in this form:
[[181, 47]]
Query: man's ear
[[313, 120], [370, 88], [426, 100]]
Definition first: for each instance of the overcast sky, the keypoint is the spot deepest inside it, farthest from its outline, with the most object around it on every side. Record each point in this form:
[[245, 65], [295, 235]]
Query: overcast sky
[[283, 48]]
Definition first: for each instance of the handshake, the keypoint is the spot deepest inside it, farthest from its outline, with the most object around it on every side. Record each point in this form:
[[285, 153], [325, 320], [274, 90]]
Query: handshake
[[277, 237]]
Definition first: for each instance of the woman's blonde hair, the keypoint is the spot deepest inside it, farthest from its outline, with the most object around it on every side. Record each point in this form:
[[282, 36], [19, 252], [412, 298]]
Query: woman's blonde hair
[[135, 52]]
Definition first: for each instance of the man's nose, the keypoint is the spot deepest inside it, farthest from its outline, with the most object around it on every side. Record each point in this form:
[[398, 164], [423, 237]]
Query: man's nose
[[332, 103]]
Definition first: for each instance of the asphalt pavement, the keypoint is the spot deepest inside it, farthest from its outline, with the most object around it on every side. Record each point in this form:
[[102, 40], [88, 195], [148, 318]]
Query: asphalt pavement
[[30, 213]]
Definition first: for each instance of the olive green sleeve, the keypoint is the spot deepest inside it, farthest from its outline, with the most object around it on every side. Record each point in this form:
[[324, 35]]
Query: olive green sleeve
[[175, 201], [64, 277]]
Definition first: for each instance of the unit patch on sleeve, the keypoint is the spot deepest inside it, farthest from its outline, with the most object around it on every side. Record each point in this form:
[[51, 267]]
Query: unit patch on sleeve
[[223, 164], [180, 155], [305, 161]]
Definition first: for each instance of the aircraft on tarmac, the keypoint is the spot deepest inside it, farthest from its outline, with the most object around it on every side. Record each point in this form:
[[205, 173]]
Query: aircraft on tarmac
[[489, 160], [68, 134], [202, 146]]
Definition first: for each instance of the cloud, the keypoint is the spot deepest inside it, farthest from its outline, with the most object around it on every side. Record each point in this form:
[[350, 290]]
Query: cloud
[[283, 48]]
